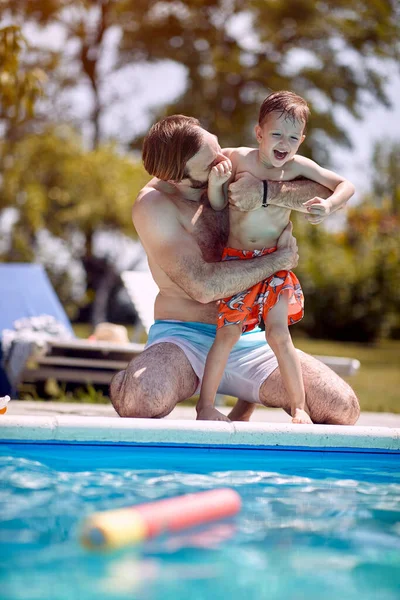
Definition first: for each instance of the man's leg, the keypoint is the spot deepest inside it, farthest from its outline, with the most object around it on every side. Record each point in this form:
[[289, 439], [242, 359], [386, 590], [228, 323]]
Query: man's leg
[[153, 383], [329, 399]]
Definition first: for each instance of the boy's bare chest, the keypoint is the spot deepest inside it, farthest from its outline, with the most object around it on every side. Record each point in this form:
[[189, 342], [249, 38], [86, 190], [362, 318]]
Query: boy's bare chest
[[259, 226], [250, 163]]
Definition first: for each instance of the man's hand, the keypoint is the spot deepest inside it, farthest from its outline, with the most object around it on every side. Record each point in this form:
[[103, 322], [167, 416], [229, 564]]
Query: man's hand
[[209, 413], [318, 209], [287, 247], [220, 173], [245, 193]]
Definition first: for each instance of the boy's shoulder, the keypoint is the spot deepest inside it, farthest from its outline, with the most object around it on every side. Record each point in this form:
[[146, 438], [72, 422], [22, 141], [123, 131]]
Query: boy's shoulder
[[301, 165], [241, 151], [235, 154]]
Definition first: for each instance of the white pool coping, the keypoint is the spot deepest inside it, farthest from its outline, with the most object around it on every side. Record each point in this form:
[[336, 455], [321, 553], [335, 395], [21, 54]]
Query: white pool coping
[[108, 430]]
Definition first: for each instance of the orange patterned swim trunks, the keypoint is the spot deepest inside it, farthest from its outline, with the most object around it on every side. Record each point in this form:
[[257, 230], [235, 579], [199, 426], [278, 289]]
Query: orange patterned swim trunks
[[248, 308]]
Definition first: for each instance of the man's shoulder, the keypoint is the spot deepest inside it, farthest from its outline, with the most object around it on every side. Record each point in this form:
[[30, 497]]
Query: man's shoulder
[[150, 199]]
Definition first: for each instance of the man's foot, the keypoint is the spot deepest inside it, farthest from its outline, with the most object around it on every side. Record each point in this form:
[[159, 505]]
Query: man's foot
[[300, 416], [211, 414], [242, 411]]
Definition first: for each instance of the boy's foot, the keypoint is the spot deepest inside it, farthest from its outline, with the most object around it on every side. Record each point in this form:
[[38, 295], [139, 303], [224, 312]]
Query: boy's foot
[[210, 413]]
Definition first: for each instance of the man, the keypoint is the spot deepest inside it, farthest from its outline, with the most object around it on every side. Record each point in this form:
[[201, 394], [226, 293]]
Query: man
[[184, 238]]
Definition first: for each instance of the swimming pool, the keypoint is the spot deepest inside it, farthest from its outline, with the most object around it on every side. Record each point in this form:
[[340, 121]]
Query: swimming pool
[[314, 523]]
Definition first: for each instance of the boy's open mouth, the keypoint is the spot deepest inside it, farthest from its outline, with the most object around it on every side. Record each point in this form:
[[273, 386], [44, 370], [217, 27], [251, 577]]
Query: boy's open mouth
[[280, 155]]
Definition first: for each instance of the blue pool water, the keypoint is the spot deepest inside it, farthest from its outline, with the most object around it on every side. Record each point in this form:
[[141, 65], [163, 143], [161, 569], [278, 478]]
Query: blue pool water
[[313, 524]]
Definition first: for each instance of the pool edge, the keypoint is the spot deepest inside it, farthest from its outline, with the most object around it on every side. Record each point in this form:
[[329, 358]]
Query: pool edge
[[108, 430]]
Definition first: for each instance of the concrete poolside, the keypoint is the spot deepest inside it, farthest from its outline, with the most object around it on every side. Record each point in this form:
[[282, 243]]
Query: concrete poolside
[[33, 408]]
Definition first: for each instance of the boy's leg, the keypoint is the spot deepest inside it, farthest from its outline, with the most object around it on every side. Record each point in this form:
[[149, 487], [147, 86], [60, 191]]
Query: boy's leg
[[225, 339], [153, 383], [280, 341], [329, 399]]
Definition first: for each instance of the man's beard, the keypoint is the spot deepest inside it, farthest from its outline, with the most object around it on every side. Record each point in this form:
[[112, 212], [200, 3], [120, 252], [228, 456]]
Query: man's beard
[[195, 184]]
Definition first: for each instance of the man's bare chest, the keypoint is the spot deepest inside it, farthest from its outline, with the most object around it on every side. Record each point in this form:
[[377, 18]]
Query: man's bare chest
[[209, 228]]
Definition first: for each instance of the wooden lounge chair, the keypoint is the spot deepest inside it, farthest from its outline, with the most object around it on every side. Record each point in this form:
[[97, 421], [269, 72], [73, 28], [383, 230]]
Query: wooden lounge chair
[[78, 361]]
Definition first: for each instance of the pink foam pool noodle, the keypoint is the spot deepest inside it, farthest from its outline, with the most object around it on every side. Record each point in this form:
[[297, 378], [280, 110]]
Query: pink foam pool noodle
[[117, 528]]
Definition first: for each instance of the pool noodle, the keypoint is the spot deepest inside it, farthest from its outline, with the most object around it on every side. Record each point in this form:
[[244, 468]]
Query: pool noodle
[[116, 528]]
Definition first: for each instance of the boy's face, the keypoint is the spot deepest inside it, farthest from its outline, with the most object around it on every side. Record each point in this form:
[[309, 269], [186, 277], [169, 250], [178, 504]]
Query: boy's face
[[279, 138]]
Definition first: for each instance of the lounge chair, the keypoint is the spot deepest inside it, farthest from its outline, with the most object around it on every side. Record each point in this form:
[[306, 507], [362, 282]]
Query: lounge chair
[[26, 293]]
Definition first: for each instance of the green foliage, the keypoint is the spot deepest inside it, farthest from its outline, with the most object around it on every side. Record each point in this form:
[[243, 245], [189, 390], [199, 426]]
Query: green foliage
[[56, 185], [234, 53], [386, 179], [351, 280], [52, 389], [20, 87], [377, 383], [60, 186], [229, 73]]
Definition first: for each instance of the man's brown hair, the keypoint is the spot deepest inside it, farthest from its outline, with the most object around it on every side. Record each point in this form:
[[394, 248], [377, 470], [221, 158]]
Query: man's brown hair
[[286, 103], [168, 146]]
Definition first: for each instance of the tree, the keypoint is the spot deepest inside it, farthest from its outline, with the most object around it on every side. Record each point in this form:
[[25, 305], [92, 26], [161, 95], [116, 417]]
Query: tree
[[83, 25], [231, 67], [351, 280], [19, 88], [386, 176], [235, 52], [58, 187]]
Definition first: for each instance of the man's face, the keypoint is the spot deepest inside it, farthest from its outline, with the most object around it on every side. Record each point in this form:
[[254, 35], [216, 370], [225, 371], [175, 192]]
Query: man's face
[[279, 138], [199, 166]]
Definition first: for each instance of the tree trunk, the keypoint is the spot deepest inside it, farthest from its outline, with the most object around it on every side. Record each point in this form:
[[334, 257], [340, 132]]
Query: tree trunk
[[106, 284]]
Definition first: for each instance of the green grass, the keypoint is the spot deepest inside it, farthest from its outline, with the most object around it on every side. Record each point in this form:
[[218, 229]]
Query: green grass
[[377, 384]]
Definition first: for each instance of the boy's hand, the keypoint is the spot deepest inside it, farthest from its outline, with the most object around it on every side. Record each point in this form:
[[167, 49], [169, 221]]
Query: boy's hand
[[220, 173], [318, 208], [209, 413], [300, 416]]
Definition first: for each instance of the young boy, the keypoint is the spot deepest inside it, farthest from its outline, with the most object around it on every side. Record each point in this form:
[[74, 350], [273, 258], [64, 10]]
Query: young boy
[[278, 300]]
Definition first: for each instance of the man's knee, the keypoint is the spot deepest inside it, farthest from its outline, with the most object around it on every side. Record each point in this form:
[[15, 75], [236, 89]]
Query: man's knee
[[351, 409], [118, 394], [132, 398], [344, 408]]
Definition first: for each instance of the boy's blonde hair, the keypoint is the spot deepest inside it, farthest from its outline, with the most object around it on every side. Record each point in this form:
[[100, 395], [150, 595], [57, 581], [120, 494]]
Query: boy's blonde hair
[[287, 103]]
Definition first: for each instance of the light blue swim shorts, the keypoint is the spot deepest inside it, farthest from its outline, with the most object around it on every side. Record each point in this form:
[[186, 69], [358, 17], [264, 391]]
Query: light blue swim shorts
[[250, 363]]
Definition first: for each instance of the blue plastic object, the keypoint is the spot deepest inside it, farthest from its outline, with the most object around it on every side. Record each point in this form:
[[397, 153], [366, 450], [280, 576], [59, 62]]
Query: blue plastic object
[[25, 291]]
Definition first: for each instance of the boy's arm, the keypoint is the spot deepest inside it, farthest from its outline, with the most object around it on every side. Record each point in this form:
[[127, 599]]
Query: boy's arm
[[342, 189], [218, 180]]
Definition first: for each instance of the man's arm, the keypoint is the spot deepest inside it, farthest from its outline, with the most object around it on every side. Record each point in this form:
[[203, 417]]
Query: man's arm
[[176, 252], [246, 193]]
